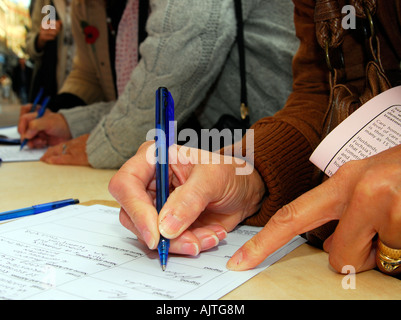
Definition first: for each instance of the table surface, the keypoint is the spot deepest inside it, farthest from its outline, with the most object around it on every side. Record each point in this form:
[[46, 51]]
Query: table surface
[[303, 274]]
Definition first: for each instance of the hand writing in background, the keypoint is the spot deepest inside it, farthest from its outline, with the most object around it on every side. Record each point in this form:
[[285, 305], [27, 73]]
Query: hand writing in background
[[46, 35], [49, 130], [52, 131]]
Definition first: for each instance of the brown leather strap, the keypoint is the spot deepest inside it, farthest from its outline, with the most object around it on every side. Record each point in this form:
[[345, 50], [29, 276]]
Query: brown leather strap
[[328, 23], [328, 20], [327, 10], [361, 6]]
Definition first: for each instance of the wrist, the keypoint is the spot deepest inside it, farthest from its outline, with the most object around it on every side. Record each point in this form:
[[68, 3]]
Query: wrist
[[39, 43], [256, 194]]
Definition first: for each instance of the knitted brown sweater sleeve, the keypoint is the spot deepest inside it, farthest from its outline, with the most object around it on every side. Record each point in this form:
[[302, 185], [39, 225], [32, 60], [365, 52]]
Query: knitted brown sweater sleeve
[[283, 143]]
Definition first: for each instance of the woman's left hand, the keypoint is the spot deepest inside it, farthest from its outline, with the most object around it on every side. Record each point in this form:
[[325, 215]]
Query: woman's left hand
[[72, 152], [364, 195]]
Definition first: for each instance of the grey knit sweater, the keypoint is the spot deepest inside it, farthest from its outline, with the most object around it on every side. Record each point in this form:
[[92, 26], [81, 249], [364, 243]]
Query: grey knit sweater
[[191, 50]]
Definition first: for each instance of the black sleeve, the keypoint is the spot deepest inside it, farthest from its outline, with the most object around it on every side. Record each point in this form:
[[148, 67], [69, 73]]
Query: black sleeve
[[65, 101]]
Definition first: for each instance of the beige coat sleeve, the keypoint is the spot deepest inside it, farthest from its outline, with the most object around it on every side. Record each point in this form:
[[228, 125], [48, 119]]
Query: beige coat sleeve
[[91, 77], [37, 17]]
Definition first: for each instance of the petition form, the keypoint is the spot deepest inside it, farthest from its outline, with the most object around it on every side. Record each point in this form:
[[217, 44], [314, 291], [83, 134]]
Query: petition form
[[80, 252]]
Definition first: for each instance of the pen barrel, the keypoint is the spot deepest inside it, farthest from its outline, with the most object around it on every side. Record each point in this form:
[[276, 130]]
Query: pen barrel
[[54, 205], [164, 116], [19, 213], [42, 109]]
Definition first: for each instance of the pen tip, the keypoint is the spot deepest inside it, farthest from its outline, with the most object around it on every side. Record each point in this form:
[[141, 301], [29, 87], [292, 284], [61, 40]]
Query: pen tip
[[164, 267]]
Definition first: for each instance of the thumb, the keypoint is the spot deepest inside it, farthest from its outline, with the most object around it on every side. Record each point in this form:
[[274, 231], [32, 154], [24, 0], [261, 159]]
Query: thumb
[[36, 126], [185, 204], [197, 187]]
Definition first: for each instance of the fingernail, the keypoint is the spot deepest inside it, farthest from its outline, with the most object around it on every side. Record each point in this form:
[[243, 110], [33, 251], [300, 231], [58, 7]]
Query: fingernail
[[235, 261], [170, 226], [209, 242], [191, 249], [219, 230], [147, 236], [222, 234]]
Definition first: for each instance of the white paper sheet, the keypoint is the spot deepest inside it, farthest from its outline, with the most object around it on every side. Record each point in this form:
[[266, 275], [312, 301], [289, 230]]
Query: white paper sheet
[[373, 128], [14, 154], [10, 132], [82, 252]]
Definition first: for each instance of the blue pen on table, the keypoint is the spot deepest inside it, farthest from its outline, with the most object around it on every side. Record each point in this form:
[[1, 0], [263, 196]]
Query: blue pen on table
[[18, 213], [41, 112], [37, 99], [165, 137]]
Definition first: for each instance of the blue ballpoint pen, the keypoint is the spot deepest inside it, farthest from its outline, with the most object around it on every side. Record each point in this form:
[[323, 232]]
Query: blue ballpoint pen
[[41, 112], [37, 99], [18, 213], [165, 137]]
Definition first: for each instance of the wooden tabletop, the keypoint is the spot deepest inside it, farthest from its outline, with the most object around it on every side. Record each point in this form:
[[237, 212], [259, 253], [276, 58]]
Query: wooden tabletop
[[28, 183], [303, 274]]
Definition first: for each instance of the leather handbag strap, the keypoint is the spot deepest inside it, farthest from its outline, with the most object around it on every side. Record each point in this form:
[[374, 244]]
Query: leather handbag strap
[[364, 6], [241, 52], [143, 17], [328, 20]]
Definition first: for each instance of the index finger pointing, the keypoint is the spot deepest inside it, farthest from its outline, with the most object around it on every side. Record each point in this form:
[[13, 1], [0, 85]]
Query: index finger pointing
[[309, 211]]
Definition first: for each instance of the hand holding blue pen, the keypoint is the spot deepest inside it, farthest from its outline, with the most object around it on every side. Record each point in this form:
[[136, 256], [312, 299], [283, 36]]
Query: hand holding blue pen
[[41, 112], [164, 116]]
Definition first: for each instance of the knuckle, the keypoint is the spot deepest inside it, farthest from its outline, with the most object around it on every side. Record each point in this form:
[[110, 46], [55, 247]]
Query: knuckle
[[336, 263], [377, 184], [193, 200], [285, 217], [349, 167], [117, 185], [113, 185], [394, 213]]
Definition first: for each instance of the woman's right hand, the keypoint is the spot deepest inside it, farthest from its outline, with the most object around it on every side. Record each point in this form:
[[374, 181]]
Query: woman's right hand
[[49, 130], [206, 200]]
